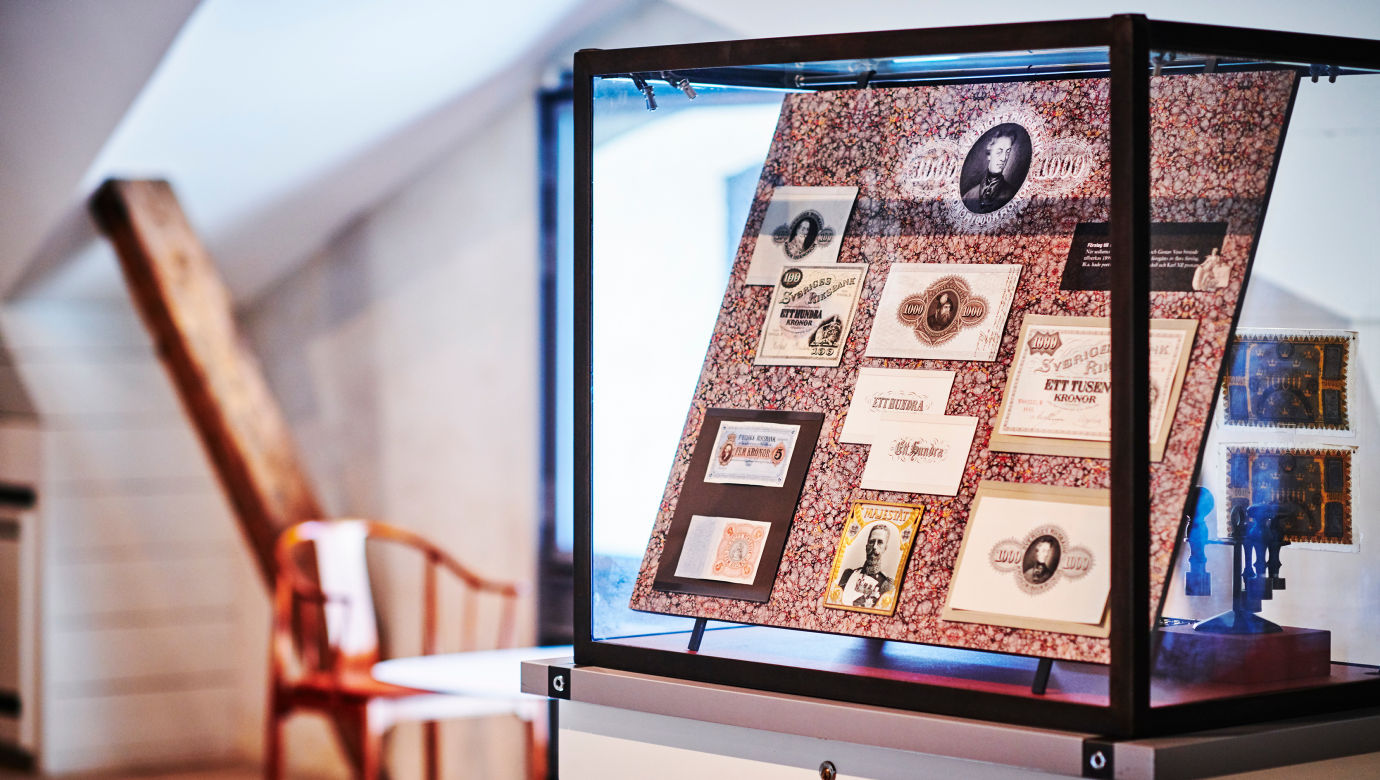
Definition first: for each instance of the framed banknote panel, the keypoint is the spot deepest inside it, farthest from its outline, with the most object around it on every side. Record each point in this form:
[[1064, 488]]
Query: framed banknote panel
[[810, 314], [1306, 490], [1057, 399], [967, 215], [870, 560], [1034, 556], [802, 225], [943, 311], [1290, 379], [736, 506]]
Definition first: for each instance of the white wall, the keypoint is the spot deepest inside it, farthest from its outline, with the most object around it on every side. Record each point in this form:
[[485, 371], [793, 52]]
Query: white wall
[[406, 356], [139, 560], [814, 17]]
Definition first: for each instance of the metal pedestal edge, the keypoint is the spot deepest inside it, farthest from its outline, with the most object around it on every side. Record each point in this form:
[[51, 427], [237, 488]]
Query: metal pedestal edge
[[1199, 754], [1043, 749]]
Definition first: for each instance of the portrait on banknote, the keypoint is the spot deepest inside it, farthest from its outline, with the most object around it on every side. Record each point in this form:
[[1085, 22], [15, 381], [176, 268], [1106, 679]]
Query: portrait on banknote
[[994, 166], [1290, 379], [943, 311], [1057, 399], [1305, 491], [727, 549], [870, 560], [752, 453], [802, 225], [1034, 556], [907, 392], [810, 314]]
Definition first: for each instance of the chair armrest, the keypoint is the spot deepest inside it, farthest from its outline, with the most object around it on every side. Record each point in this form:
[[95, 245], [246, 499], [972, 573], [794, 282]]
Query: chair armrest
[[478, 581]]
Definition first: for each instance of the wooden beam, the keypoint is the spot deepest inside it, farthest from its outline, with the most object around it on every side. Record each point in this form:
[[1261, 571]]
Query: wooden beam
[[189, 313]]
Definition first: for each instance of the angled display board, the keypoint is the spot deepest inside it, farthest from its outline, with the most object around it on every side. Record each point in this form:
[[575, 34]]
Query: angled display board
[[960, 294]]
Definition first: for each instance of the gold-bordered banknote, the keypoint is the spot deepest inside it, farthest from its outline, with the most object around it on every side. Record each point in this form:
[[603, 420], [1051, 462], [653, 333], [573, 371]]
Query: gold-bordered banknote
[[1290, 379], [870, 560], [1306, 490], [810, 315]]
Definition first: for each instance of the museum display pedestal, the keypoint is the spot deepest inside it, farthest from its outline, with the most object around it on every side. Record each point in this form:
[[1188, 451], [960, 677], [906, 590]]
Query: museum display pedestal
[[1196, 656], [616, 723]]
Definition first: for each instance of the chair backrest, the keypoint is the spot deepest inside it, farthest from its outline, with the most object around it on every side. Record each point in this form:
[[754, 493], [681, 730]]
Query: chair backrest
[[343, 579], [338, 628]]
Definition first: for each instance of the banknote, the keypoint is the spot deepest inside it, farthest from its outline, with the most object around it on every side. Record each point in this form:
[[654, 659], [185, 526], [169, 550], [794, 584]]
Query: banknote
[[1306, 490], [810, 314], [1057, 399], [1034, 556], [728, 549], [893, 391], [943, 311], [1289, 379], [870, 560], [752, 453], [802, 225], [920, 454]]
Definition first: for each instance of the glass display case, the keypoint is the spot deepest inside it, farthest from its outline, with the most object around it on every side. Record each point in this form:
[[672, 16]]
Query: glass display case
[[1014, 372]]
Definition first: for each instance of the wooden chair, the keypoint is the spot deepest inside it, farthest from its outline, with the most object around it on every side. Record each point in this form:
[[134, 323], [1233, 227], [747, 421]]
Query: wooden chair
[[325, 640]]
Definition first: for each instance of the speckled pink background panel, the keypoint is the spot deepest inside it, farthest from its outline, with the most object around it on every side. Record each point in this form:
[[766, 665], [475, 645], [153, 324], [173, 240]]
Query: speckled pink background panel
[[1215, 142]]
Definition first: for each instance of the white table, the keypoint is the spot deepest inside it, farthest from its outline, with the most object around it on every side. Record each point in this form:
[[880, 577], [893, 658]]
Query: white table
[[488, 674], [492, 678]]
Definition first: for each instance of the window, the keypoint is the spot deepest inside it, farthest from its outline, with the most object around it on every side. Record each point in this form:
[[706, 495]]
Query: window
[[702, 159]]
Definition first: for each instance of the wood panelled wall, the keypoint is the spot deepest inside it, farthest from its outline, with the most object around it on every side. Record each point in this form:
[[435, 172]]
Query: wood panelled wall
[[140, 560]]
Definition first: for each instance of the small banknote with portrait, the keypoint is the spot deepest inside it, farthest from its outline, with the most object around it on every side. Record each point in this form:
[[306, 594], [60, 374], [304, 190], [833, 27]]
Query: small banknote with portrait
[[752, 453], [1290, 379], [810, 314], [870, 560], [802, 225]]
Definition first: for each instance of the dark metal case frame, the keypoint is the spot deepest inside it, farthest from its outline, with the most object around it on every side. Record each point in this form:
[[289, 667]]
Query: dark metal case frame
[[1130, 41]]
